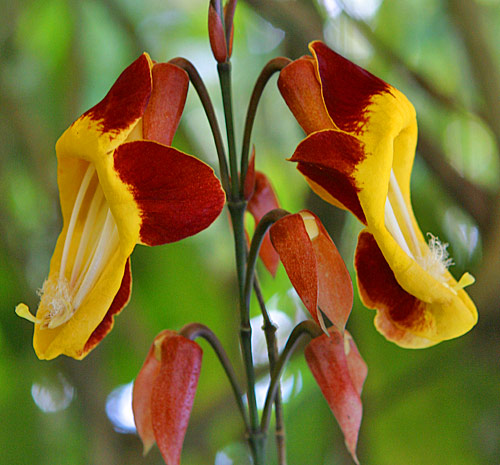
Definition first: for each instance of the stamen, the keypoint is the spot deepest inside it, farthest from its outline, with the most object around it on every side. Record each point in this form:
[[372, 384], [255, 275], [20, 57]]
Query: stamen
[[107, 245], [396, 190], [92, 217], [466, 280], [391, 223], [436, 262], [74, 215], [23, 311]]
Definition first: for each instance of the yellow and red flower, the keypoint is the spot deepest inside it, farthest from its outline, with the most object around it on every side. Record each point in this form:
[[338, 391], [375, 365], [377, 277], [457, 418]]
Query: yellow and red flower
[[120, 184], [358, 155]]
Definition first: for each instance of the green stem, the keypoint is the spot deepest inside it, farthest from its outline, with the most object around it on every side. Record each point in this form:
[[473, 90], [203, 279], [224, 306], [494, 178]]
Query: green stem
[[307, 327], [195, 330], [199, 85], [276, 64], [224, 70], [272, 352], [260, 231], [255, 439]]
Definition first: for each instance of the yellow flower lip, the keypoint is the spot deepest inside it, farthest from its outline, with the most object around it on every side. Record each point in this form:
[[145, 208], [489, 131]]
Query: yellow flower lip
[[120, 184]]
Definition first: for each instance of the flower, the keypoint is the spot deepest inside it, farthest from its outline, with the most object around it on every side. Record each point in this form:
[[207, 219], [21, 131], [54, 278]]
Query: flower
[[120, 184], [314, 266], [164, 391], [358, 155]]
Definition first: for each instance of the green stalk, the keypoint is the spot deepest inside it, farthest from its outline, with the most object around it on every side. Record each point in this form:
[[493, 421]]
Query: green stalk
[[224, 70], [307, 327], [199, 85], [195, 330], [276, 64]]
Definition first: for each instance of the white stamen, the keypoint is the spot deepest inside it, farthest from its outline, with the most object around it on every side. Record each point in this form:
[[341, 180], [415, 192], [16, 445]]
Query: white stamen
[[107, 245], [86, 234], [74, 215], [391, 223], [406, 215]]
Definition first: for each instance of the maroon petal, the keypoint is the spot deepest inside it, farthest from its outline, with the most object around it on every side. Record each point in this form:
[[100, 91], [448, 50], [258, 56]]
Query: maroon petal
[[119, 302], [347, 88], [329, 159], [127, 99], [177, 194]]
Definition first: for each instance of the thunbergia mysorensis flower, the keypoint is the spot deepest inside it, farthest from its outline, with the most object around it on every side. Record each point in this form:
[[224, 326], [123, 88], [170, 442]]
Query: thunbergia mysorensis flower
[[120, 184], [164, 391], [314, 266], [358, 155]]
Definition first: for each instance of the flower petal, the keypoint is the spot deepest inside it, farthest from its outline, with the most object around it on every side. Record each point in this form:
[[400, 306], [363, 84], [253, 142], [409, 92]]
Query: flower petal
[[329, 160], [402, 317], [106, 125], [164, 110], [121, 299], [347, 88], [291, 240], [173, 394], [327, 361], [177, 194], [301, 89], [264, 200]]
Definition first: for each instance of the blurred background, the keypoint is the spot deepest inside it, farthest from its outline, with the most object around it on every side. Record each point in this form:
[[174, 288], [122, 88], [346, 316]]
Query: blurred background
[[433, 406]]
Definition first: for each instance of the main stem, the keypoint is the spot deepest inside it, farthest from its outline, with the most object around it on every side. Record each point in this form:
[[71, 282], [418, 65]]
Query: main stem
[[237, 207]]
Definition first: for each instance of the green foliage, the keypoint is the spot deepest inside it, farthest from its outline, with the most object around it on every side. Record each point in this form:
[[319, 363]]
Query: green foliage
[[59, 58]]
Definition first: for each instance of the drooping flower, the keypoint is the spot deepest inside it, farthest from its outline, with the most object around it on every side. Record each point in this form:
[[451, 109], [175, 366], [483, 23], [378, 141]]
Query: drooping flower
[[358, 155], [164, 391], [314, 266], [120, 184]]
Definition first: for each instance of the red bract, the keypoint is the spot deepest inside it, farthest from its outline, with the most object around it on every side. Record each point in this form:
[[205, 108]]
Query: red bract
[[314, 266], [340, 373], [164, 392], [263, 200]]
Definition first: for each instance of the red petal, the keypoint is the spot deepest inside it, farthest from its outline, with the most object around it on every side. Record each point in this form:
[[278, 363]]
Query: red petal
[[357, 366], [401, 313], [301, 90], [327, 361], [126, 100], [329, 159], [164, 110], [119, 302], [347, 88], [263, 201], [141, 395], [173, 394], [177, 194], [291, 241], [334, 282]]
